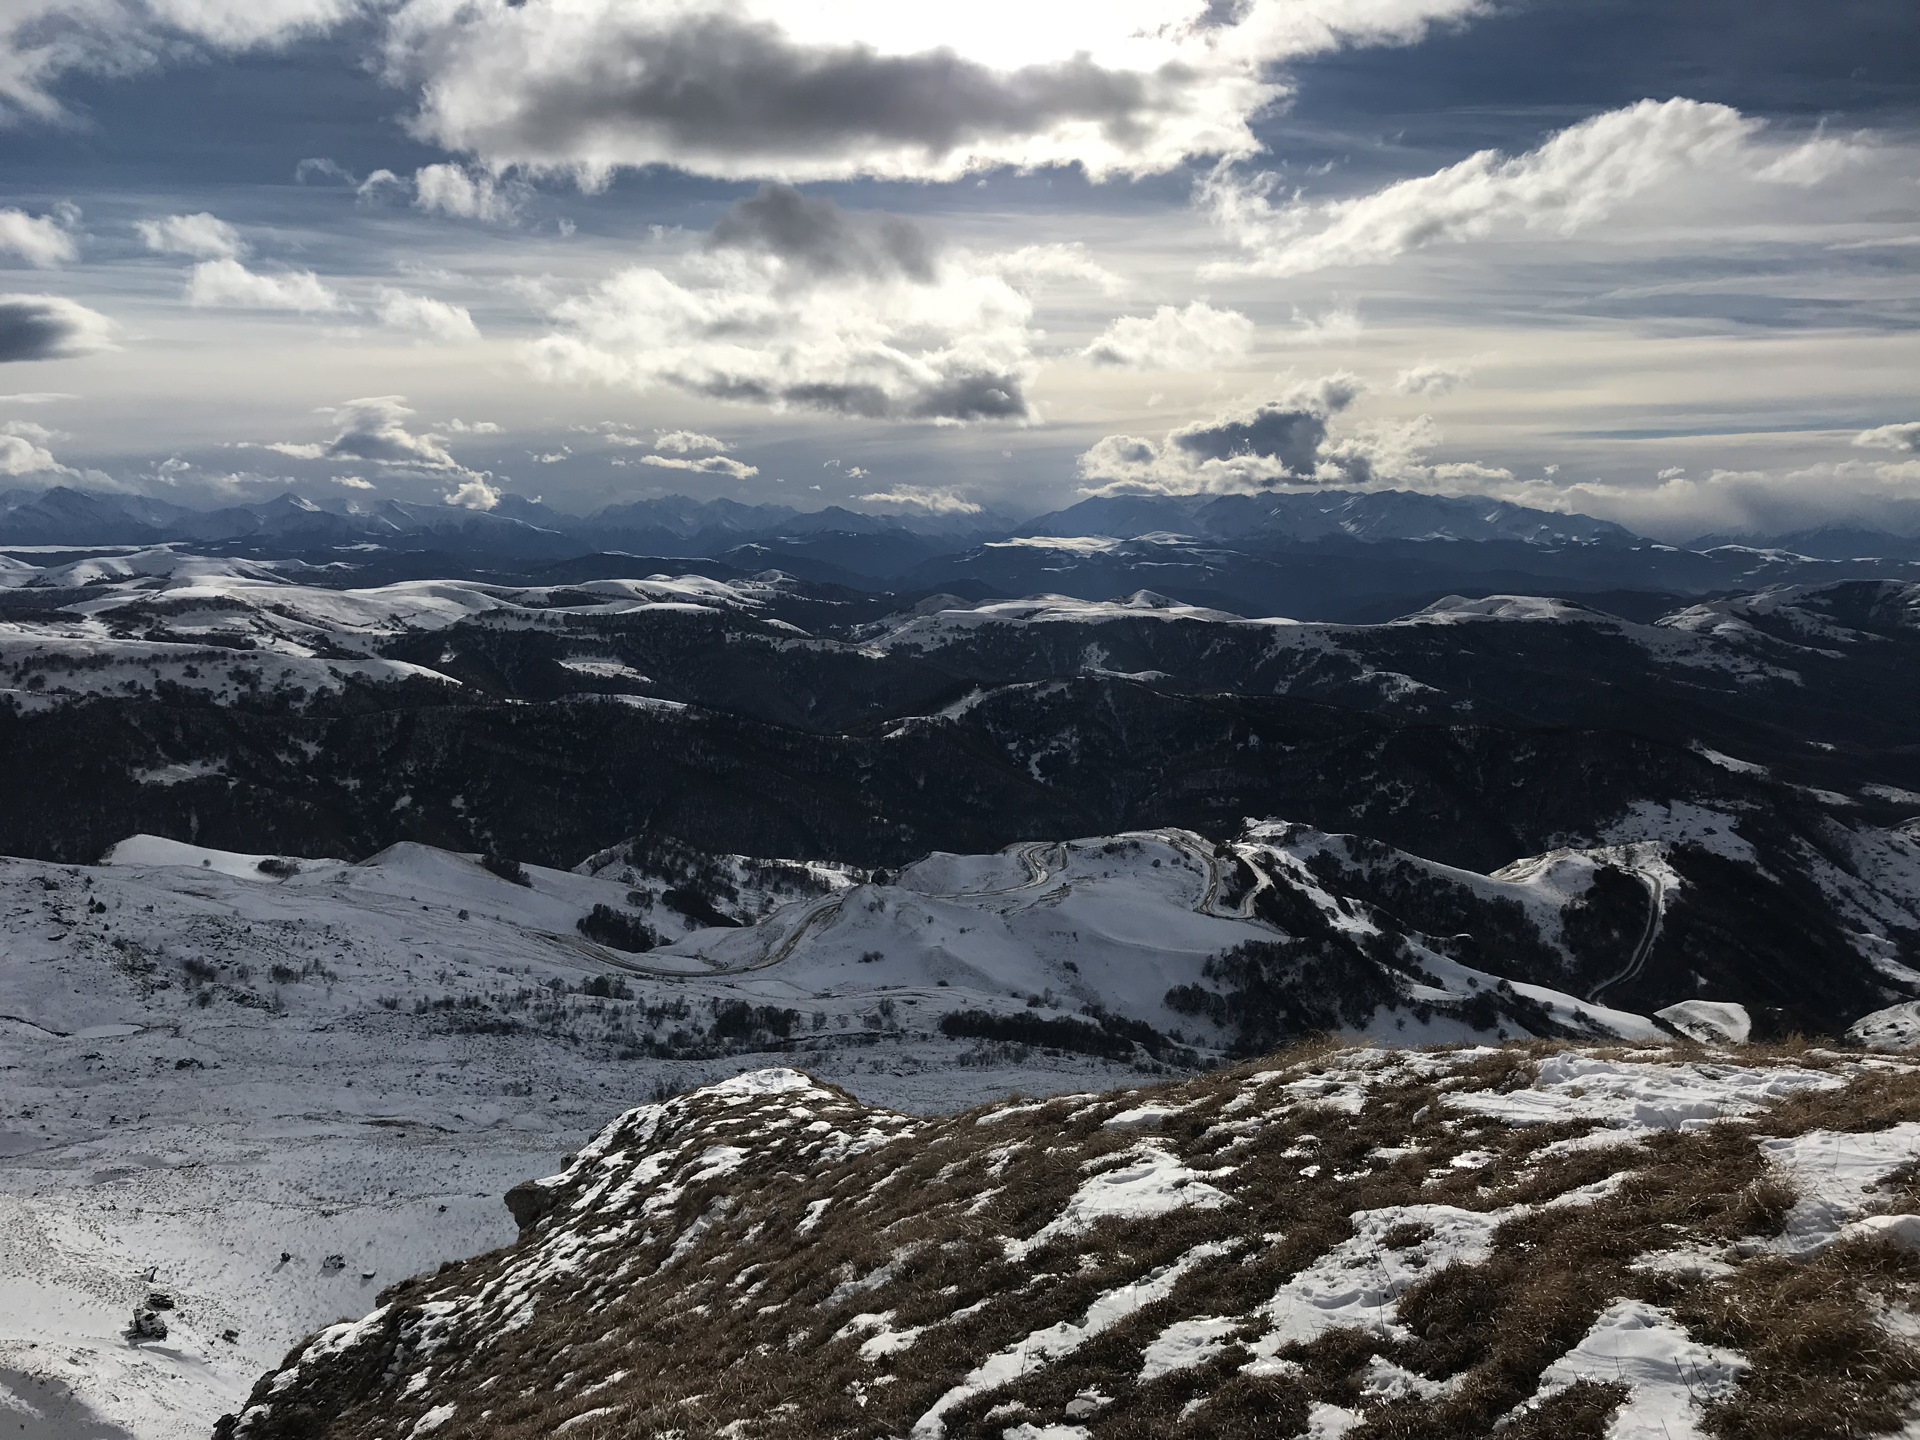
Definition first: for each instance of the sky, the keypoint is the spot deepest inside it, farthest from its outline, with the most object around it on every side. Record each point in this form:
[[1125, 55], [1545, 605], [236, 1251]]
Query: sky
[[1658, 263]]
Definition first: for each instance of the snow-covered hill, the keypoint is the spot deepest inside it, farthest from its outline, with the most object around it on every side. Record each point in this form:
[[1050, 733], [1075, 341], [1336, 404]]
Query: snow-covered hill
[[269, 1095], [1526, 1241]]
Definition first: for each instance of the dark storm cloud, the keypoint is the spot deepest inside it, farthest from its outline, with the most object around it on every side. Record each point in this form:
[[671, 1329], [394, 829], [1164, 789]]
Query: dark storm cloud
[[46, 327], [817, 236], [727, 95], [1290, 433]]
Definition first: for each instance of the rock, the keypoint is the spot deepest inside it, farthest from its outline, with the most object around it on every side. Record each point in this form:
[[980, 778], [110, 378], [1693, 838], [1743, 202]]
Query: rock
[[531, 1201], [1895, 1028], [1709, 1021], [333, 1263], [147, 1325], [159, 1300]]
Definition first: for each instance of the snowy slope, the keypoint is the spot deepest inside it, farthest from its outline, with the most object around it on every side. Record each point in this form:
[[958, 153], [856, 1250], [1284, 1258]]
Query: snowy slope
[[236, 628], [207, 1066], [1525, 1241]]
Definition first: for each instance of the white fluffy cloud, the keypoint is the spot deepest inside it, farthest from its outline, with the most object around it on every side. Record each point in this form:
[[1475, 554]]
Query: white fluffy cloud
[[1197, 337], [793, 303], [226, 283], [927, 499], [475, 492], [685, 442], [50, 327], [798, 90], [203, 236], [462, 194], [704, 465], [423, 315], [23, 450], [43, 241], [1576, 179], [1430, 380], [1891, 437]]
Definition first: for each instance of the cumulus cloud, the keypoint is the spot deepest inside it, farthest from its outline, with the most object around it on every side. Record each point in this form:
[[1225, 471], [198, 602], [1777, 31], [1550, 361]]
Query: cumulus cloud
[[23, 450], [685, 442], [1430, 380], [1891, 437], [1197, 337], [43, 241], [705, 465], [228, 284], [793, 303], [794, 90], [462, 194], [928, 499], [1282, 441], [1575, 180], [475, 492], [203, 236], [50, 327], [422, 315], [374, 428]]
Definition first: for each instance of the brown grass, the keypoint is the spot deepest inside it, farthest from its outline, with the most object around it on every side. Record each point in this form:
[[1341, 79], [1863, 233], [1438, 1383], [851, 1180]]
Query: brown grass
[[743, 1325]]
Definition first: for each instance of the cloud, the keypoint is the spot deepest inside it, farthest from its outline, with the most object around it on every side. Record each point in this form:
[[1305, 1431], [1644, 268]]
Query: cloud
[[229, 284], [42, 40], [476, 492], [320, 168], [49, 327], [1042, 264], [929, 499], [804, 306], [374, 428], [817, 238], [1283, 441], [23, 450], [461, 194], [785, 89], [706, 465], [1340, 325], [473, 427], [1430, 380], [682, 442], [1198, 337], [203, 236], [1819, 159], [1744, 502], [1891, 437], [1573, 181], [43, 241], [436, 319]]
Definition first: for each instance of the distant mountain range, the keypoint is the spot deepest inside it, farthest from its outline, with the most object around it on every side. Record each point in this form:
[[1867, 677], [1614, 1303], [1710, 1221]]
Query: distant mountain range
[[1324, 555]]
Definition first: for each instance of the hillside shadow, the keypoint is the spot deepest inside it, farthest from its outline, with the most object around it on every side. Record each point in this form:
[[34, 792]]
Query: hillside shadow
[[61, 1415]]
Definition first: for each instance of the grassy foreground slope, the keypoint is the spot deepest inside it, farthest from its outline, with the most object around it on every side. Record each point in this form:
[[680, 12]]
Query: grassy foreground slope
[[1532, 1240]]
